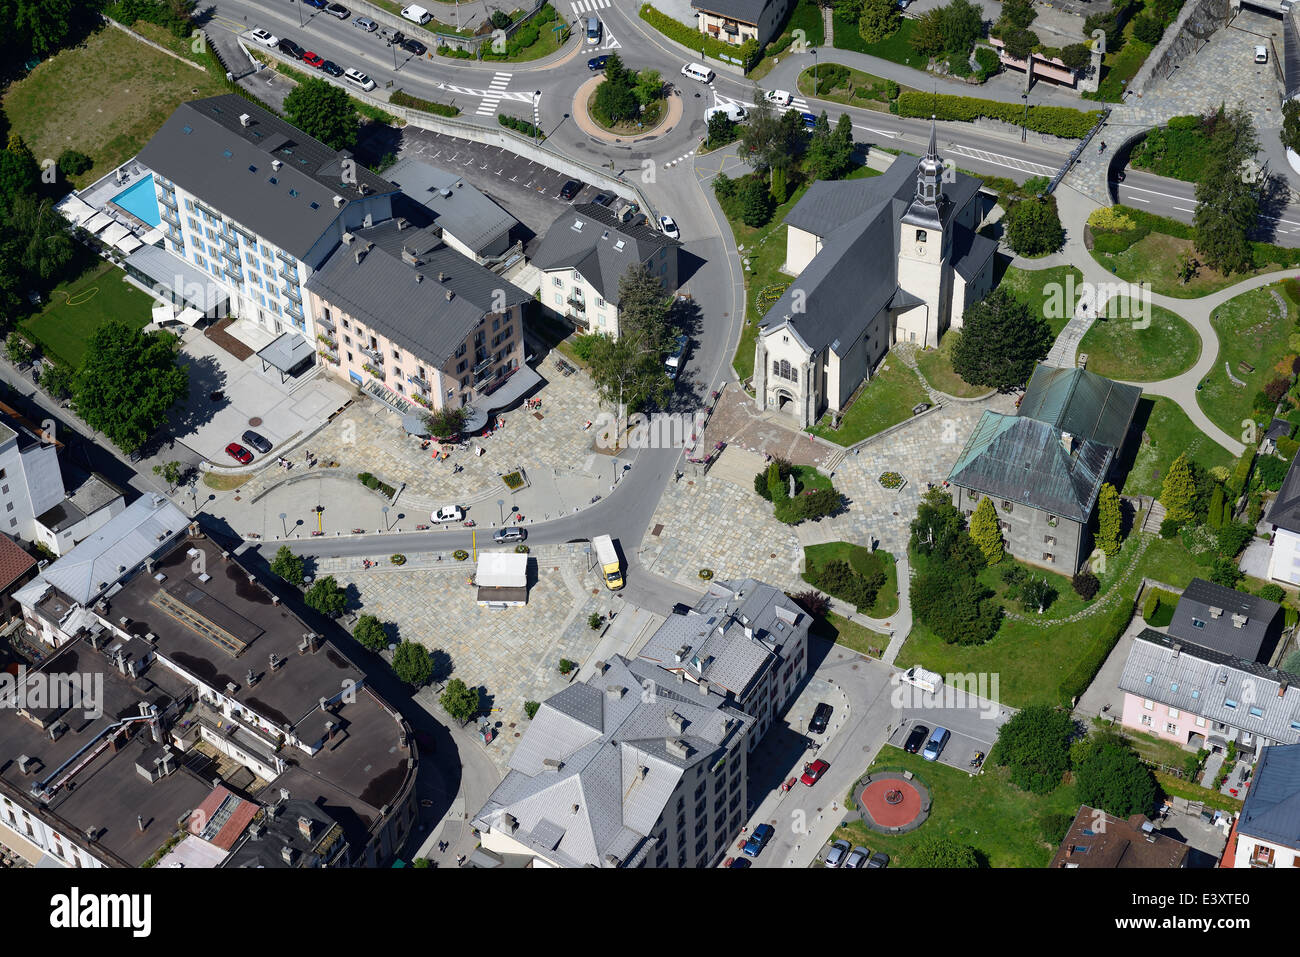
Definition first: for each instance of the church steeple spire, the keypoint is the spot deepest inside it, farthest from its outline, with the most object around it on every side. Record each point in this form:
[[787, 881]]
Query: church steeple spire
[[929, 172]]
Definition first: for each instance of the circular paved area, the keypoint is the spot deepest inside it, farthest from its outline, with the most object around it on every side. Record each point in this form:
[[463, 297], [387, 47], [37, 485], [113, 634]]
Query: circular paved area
[[891, 803], [588, 125]]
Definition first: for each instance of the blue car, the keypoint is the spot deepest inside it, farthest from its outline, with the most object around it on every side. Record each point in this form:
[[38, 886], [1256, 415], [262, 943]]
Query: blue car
[[758, 840], [809, 120], [318, 4]]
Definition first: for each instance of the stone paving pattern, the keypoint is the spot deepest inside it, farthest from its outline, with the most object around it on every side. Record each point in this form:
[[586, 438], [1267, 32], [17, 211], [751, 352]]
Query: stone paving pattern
[[513, 653], [368, 437]]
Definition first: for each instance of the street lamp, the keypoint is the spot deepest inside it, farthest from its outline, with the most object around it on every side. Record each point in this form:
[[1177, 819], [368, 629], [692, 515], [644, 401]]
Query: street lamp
[[537, 116], [299, 13], [284, 524], [501, 510], [813, 51], [1024, 120], [385, 511]]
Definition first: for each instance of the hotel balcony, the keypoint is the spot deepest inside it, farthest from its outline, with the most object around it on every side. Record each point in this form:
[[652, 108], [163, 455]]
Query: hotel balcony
[[577, 303]]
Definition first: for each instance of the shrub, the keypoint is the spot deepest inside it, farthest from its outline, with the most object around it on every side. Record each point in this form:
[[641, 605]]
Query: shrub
[[1037, 595], [1085, 584], [521, 549], [1272, 471], [1272, 592], [530, 709], [687, 35], [706, 574], [1060, 121], [567, 666], [73, 163], [989, 62], [402, 98], [1170, 527], [1055, 826], [594, 621], [1287, 448], [397, 559], [814, 603], [369, 633], [460, 554]]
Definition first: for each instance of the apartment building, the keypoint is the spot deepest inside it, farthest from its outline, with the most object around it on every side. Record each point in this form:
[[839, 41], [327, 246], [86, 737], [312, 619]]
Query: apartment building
[[1266, 833]]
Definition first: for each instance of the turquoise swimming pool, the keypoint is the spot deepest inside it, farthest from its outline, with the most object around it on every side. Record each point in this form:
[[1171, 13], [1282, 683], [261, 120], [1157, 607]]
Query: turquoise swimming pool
[[140, 201]]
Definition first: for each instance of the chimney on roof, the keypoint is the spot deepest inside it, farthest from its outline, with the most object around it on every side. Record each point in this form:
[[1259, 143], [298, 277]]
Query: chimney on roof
[[306, 826], [450, 295], [614, 692], [442, 276], [347, 238], [419, 277], [1067, 442], [339, 201], [1239, 621], [1216, 612], [288, 854], [276, 164], [402, 223], [676, 722], [510, 821], [704, 687], [409, 257], [600, 667], [252, 677], [552, 764], [245, 119], [678, 748]]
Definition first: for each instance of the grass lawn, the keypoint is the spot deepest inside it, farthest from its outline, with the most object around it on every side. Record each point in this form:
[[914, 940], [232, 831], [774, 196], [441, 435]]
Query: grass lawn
[[77, 308], [885, 400], [1066, 603], [548, 41], [1155, 749], [850, 634], [874, 90], [1251, 329], [1157, 346], [986, 811], [1043, 291], [1035, 658], [1118, 68], [897, 48], [1167, 433], [1154, 259], [886, 603], [106, 99], [936, 366], [1168, 561], [433, 26]]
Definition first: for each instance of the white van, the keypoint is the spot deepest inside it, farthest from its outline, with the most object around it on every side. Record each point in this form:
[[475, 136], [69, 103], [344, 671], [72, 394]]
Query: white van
[[417, 14], [696, 71], [593, 30], [358, 79], [1261, 54], [733, 111]]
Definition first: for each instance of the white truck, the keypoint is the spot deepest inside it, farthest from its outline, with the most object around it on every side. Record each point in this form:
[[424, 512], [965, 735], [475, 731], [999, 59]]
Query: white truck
[[608, 558], [417, 14], [918, 677]]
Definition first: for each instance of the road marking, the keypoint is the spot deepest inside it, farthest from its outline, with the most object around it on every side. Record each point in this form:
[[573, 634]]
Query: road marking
[[1183, 209], [588, 6], [1139, 199], [494, 94], [997, 159], [868, 129]]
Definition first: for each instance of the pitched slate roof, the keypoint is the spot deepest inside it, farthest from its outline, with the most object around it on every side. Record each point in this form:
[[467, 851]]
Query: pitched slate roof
[[1285, 510], [1114, 842], [381, 290], [1082, 403], [1024, 461], [1271, 811], [611, 770], [204, 148], [460, 209], [970, 251], [746, 11], [1188, 677], [586, 237], [1240, 627], [14, 562]]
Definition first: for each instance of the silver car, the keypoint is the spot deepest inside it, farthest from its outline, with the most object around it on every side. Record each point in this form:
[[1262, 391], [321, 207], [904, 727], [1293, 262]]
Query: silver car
[[365, 23], [857, 857], [835, 856]]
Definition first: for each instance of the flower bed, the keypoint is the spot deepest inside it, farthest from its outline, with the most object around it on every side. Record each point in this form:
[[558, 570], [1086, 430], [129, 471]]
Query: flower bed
[[398, 559], [460, 554], [514, 480], [706, 574], [891, 480]]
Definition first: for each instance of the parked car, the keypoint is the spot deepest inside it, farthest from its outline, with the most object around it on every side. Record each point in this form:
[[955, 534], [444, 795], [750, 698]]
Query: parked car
[[365, 23], [288, 47], [332, 68], [257, 441], [934, 747], [266, 39], [503, 535], [857, 857], [358, 79], [448, 513], [778, 97], [917, 738], [603, 199], [411, 45], [676, 359], [741, 862], [338, 10], [597, 63], [239, 453], [878, 860], [669, 227], [821, 715], [758, 840], [570, 189], [813, 775], [313, 59], [318, 4], [835, 856]]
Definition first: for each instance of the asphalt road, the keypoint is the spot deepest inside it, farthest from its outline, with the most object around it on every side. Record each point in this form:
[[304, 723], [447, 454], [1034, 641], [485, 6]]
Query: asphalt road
[[1177, 200]]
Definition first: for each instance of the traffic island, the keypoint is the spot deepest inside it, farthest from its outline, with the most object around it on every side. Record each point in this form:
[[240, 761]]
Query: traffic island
[[669, 116], [892, 802]]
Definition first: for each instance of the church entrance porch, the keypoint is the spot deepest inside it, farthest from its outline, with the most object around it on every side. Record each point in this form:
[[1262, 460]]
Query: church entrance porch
[[737, 421]]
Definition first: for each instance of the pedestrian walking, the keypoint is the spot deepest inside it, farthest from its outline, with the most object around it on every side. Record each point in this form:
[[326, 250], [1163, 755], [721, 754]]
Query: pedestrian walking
[[460, 860]]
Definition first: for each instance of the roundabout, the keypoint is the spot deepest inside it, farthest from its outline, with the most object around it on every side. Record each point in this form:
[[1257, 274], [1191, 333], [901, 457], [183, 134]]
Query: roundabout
[[669, 117], [892, 802]]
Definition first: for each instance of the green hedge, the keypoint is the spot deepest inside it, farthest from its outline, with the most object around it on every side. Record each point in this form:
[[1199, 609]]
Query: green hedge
[[687, 36], [400, 98], [523, 126], [456, 53], [1060, 121], [1104, 639]]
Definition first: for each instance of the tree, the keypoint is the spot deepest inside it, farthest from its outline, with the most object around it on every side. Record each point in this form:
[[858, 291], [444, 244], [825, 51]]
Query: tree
[[1215, 517], [499, 19], [756, 203], [412, 664], [769, 140], [19, 173], [324, 111], [927, 33], [1291, 125], [1076, 56], [173, 473], [1178, 491], [1034, 227], [722, 130], [369, 633], [649, 86], [1035, 746], [446, 422], [289, 566], [1018, 13], [1037, 594], [1001, 342], [963, 24], [459, 700], [1020, 43], [630, 368], [615, 99], [74, 163], [1273, 592], [1227, 200], [326, 597], [1112, 777], [17, 348], [749, 52], [58, 379], [778, 189], [531, 708], [1109, 519], [1085, 584], [879, 19], [985, 531], [935, 852], [1147, 29], [128, 380]]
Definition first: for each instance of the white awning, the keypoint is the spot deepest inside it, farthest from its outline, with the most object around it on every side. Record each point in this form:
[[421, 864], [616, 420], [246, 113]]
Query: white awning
[[75, 209], [114, 233], [97, 222], [128, 243]]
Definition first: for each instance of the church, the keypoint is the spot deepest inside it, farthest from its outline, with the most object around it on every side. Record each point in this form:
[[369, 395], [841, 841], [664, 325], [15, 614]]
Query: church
[[893, 258]]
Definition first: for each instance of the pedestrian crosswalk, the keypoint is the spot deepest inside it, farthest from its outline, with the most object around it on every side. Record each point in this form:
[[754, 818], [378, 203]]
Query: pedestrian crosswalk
[[796, 103], [589, 6], [496, 89]]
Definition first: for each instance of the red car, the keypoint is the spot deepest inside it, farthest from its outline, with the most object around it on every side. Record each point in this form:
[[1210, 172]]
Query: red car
[[814, 772], [313, 59], [239, 453]]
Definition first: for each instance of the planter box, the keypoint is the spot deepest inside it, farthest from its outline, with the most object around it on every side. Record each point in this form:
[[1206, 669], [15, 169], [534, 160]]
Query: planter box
[[514, 481], [902, 483]]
